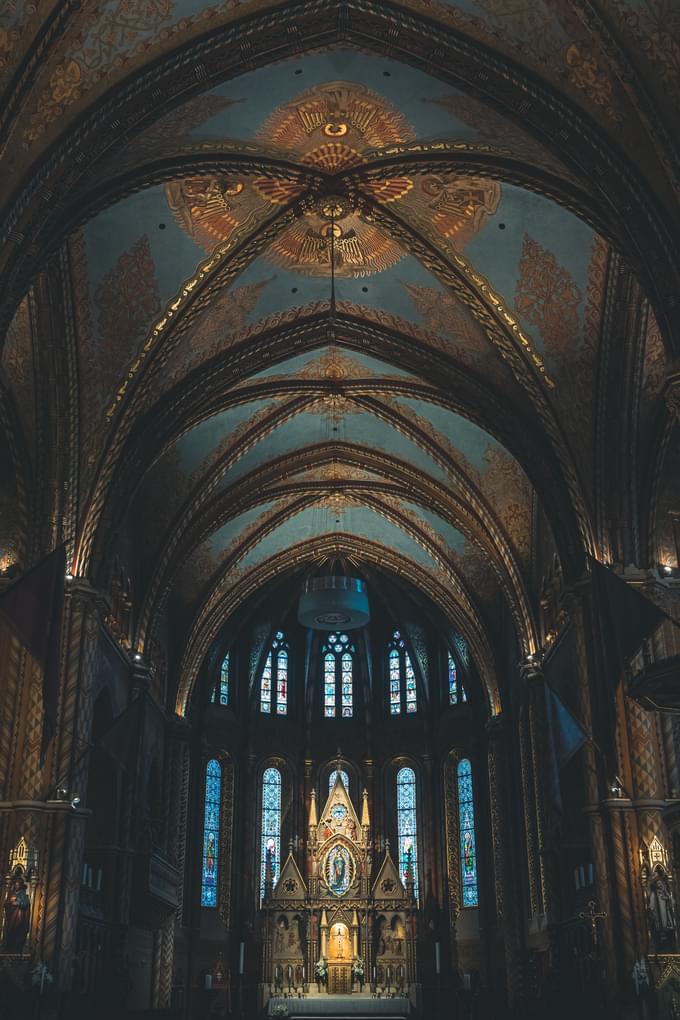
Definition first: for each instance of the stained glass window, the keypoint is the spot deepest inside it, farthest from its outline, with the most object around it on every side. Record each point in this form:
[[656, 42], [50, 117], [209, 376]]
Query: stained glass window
[[343, 776], [402, 678], [338, 676], [220, 694], [456, 690], [211, 833], [271, 825], [407, 824], [274, 679], [468, 846]]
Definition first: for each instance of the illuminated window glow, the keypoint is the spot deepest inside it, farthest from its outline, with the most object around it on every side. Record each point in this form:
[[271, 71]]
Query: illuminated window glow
[[343, 776], [271, 826], [220, 692], [456, 691], [338, 676], [274, 679], [407, 824], [402, 678], [468, 845], [211, 833]]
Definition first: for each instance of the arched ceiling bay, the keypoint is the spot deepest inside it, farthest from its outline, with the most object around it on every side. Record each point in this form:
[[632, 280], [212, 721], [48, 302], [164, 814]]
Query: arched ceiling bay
[[334, 304], [491, 277]]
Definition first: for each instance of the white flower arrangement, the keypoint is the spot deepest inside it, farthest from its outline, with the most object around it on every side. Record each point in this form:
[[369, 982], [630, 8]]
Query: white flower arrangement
[[358, 968]]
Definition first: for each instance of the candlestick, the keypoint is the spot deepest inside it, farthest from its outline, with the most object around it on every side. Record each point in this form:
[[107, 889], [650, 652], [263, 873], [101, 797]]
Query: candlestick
[[241, 959], [437, 960]]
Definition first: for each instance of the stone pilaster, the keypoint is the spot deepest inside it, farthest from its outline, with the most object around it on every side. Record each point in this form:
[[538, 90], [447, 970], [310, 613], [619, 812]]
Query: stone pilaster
[[66, 770], [507, 903], [539, 752]]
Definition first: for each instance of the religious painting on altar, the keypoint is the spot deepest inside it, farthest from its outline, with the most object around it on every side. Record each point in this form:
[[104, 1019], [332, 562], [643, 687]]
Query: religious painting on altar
[[339, 869]]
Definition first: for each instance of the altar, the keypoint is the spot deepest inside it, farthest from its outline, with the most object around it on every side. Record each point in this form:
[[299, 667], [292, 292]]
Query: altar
[[334, 1007], [333, 930]]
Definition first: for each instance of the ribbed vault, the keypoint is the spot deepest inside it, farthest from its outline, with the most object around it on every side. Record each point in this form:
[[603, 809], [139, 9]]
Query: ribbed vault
[[340, 278]]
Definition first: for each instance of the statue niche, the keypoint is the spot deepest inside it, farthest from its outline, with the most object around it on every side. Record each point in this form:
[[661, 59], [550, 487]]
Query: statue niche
[[19, 884], [658, 886]]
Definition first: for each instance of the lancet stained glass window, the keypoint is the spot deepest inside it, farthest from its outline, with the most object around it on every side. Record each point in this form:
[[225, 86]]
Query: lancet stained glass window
[[220, 694], [456, 691], [274, 679], [343, 776], [211, 833], [271, 825], [468, 845], [402, 678], [407, 824], [338, 676]]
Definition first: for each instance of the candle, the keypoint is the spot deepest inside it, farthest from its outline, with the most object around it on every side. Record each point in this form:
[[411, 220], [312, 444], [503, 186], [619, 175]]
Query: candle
[[99, 880], [208, 982], [241, 958], [437, 961]]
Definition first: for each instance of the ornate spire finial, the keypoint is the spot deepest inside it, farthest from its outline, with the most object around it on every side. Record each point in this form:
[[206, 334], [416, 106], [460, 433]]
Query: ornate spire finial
[[365, 817]]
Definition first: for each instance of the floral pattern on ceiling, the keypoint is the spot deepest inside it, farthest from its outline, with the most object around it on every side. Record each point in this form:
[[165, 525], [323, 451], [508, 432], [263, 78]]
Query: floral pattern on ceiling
[[118, 36], [18, 371]]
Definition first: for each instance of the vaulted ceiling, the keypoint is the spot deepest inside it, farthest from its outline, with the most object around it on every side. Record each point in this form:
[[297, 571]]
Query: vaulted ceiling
[[395, 282]]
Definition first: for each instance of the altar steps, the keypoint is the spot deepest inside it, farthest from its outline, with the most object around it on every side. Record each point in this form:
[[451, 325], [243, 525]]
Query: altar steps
[[341, 1007]]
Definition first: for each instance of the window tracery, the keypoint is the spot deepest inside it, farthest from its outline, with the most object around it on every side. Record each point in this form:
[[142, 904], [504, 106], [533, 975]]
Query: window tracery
[[211, 833], [468, 843], [332, 777], [338, 676], [274, 679], [407, 825], [220, 692], [402, 678], [271, 826], [457, 693]]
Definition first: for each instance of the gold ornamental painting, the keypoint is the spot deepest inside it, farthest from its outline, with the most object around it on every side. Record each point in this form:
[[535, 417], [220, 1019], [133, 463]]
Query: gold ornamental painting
[[334, 128]]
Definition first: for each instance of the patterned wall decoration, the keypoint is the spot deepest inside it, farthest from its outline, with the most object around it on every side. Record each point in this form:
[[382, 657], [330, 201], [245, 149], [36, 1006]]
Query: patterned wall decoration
[[218, 328], [446, 316], [655, 28], [109, 328], [18, 369], [496, 129], [548, 297], [177, 124]]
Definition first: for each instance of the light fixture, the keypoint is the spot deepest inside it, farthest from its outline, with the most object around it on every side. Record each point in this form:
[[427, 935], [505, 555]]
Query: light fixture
[[333, 602]]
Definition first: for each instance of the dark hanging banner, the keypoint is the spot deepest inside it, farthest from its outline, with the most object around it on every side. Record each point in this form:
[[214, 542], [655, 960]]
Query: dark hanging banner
[[628, 619], [566, 735], [34, 607]]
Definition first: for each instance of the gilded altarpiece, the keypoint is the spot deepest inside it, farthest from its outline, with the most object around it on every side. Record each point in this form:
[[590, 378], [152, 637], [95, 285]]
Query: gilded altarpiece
[[338, 930]]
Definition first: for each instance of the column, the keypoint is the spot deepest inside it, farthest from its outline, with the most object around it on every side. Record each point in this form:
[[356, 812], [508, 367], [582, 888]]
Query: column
[[66, 767], [532, 675], [508, 903]]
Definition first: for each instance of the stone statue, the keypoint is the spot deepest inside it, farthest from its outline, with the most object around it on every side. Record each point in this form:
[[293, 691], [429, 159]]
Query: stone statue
[[17, 916], [661, 906]]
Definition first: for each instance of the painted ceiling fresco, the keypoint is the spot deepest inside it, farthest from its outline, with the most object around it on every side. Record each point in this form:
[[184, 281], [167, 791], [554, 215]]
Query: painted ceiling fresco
[[538, 262], [336, 303]]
